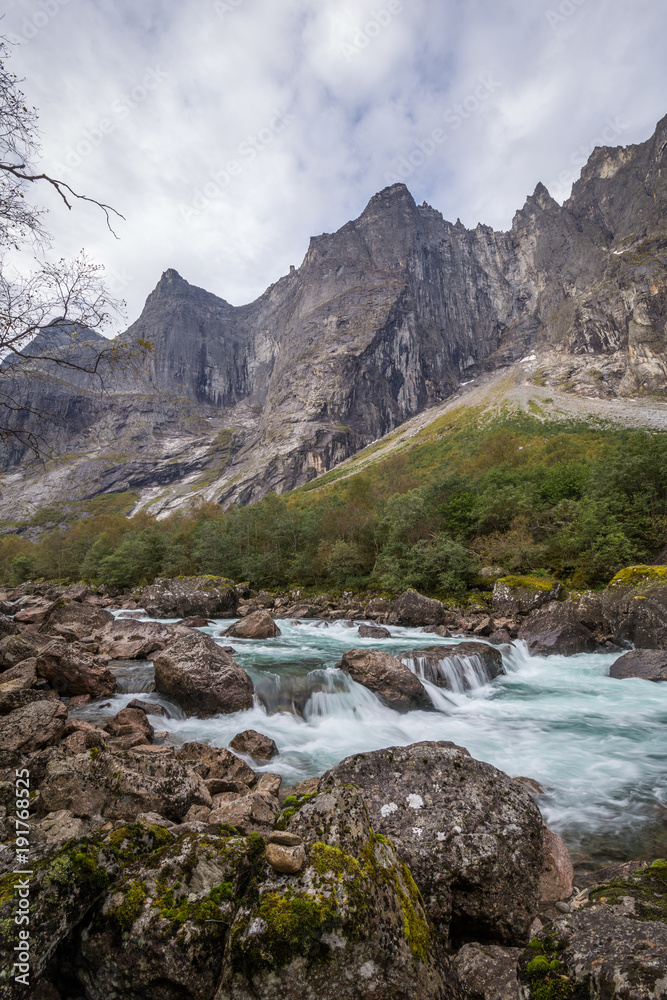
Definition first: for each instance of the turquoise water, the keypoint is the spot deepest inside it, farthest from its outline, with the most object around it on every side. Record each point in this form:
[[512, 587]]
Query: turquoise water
[[597, 745]]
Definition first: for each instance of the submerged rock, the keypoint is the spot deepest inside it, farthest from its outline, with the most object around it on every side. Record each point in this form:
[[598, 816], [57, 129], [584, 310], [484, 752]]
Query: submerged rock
[[258, 625], [201, 677], [648, 664], [471, 838], [386, 677], [457, 668]]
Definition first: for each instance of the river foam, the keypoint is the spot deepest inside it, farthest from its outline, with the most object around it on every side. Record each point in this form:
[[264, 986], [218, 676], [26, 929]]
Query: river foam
[[597, 745]]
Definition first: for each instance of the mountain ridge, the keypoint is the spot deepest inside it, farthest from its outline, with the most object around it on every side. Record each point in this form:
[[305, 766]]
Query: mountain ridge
[[381, 321]]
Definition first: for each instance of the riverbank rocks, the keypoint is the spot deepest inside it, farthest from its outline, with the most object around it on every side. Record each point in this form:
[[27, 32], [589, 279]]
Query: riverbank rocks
[[635, 602], [125, 639], [471, 837], [387, 678], [121, 785], [413, 609], [7, 626], [32, 727], [258, 625], [183, 597], [523, 594], [614, 945], [555, 629], [351, 923], [65, 885], [14, 648], [201, 677], [216, 764], [73, 620], [71, 671], [488, 971], [254, 744], [648, 664], [457, 668]]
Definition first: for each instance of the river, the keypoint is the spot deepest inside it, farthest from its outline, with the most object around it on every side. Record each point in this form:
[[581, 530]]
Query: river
[[597, 745]]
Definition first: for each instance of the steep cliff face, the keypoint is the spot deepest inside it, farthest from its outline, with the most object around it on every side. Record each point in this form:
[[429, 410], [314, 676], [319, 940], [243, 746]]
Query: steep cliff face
[[383, 319]]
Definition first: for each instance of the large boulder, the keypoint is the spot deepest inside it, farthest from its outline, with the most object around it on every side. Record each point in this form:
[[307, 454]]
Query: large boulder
[[119, 786], [72, 671], [457, 668], [413, 609], [208, 596], [373, 632], [124, 639], [73, 620], [613, 944], [648, 664], [65, 885], [387, 678], [19, 678], [635, 603], [350, 923], [470, 836], [201, 677], [32, 727], [258, 625], [522, 594], [555, 629]]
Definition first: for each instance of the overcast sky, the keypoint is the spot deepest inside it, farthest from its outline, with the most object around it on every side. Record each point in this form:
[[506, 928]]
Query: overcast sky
[[228, 132]]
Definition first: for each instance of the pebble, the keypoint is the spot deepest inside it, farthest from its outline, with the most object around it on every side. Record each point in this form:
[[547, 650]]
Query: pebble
[[562, 907]]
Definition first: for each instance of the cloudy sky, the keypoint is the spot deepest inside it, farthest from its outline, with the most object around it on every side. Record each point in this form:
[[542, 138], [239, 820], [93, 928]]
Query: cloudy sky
[[227, 132]]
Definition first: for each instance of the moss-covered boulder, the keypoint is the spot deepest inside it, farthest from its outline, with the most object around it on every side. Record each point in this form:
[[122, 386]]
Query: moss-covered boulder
[[470, 836], [613, 946], [522, 594], [162, 928], [351, 924], [63, 888], [635, 602]]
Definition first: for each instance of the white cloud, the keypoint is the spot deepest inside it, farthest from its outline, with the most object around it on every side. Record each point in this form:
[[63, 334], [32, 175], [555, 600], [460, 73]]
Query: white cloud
[[180, 88]]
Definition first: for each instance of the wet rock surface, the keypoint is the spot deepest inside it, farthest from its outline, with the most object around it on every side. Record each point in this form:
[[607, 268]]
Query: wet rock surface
[[386, 677], [555, 629], [254, 744]]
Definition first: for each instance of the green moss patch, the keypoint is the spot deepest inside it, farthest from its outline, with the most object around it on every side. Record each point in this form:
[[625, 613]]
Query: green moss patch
[[636, 576], [646, 887], [528, 582]]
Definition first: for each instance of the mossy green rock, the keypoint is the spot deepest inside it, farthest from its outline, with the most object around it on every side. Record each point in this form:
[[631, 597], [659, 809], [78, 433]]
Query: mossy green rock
[[612, 948], [523, 594], [352, 924], [635, 602], [64, 887]]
